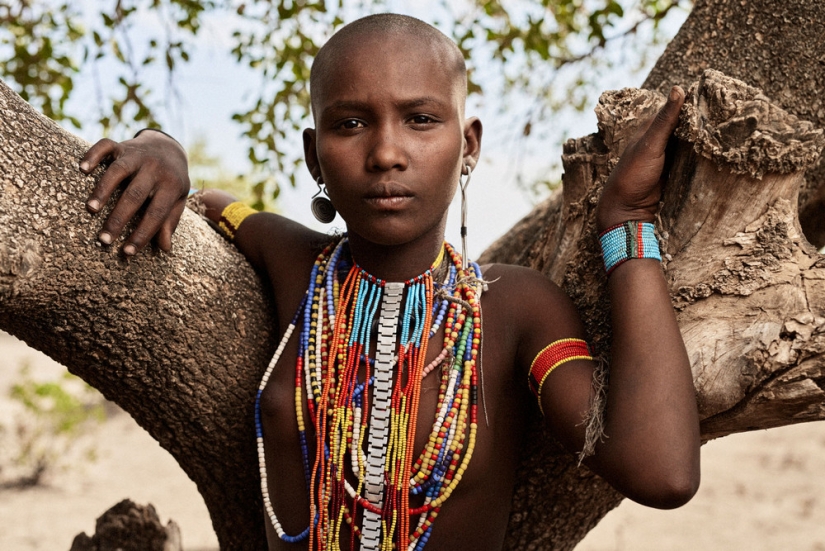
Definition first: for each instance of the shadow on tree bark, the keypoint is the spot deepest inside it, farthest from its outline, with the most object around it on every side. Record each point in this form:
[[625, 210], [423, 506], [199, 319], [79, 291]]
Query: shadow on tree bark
[[180, 340], [745, 282]]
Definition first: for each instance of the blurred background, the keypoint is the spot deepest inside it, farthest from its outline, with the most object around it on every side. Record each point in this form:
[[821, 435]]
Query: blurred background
[[228, 78]]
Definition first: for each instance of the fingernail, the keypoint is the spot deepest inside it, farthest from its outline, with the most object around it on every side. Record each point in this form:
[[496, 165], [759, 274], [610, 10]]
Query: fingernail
[[129, 250], [93, 204], [84, 166], [674, 95], [105, 238]]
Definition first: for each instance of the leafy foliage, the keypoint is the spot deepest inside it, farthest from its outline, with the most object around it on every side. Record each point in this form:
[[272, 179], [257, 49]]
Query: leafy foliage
[[207, 171], [55, 415], [515, 50], [38, 43]]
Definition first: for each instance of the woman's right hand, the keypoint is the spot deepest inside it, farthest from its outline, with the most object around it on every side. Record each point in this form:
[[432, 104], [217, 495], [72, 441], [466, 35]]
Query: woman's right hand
[[154, 168]]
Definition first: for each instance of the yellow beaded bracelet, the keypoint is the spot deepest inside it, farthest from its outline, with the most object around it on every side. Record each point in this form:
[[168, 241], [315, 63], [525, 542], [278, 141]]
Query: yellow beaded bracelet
[[233, 216]]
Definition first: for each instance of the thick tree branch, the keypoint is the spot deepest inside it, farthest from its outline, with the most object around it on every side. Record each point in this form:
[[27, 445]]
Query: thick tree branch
[[743, 278], [180, 340], [747, 284]]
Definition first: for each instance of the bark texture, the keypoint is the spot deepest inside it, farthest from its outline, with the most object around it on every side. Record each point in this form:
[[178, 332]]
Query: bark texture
[[746, 284], [178, 340], [130, 527], [778, 47]]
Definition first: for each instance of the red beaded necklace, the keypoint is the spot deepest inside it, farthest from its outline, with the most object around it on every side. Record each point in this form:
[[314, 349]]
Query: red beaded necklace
[[341, 307]]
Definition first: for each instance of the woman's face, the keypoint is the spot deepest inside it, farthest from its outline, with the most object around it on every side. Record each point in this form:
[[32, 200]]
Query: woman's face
[[390, 139]]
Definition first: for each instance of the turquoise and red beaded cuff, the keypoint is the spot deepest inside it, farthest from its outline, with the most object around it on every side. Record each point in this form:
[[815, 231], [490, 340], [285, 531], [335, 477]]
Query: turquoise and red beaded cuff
[[628, 240]]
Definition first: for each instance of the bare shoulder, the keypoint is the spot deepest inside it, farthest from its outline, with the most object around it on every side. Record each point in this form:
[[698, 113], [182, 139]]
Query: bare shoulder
[[523, 290], [536, 310], [282, 249]]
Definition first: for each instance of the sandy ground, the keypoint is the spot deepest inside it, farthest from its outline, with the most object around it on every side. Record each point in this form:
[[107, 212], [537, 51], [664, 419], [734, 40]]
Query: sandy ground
[[760, 491]]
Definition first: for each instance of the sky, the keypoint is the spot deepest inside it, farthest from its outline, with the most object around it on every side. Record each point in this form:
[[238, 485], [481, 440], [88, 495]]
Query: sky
[[212, 86]]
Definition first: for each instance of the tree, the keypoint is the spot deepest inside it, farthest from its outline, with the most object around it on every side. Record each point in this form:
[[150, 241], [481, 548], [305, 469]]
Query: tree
[[747, 285], [547, 50]]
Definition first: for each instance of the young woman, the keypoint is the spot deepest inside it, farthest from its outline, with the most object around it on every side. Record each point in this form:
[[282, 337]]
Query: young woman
[[370, 434]]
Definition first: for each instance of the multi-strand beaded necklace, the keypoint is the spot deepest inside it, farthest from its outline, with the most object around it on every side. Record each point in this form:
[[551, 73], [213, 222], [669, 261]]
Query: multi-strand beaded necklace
[[380, 407]]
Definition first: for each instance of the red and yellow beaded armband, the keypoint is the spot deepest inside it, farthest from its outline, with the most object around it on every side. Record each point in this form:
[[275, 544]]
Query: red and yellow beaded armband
[[552, 356], [232, 216]]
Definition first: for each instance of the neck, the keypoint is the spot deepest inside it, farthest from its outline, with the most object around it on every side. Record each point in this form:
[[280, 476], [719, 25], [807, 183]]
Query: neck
[[396, 262]]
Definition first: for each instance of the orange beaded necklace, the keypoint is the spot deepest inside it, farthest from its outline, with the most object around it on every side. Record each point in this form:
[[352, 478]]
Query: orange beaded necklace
[[341, 307]]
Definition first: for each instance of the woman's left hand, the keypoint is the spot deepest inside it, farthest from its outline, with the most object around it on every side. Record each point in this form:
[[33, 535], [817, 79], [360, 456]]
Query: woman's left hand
[[634, 188]]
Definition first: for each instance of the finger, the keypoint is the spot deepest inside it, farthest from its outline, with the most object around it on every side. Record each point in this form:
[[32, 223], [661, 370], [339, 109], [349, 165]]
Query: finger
[[164, 237], [665, 121], [95, 155], [670, 156], [127, 206], [159, 210], [117, 172]]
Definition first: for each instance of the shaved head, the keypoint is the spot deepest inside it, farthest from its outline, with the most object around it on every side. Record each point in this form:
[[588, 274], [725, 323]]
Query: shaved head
[[418, 35]]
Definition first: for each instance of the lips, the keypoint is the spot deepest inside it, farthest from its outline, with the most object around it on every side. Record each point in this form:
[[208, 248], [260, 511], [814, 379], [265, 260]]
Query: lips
[[390, 196]]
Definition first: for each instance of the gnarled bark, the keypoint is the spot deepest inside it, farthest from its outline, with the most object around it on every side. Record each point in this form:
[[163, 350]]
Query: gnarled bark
[[778, 47], [744, 280], [180, 340]]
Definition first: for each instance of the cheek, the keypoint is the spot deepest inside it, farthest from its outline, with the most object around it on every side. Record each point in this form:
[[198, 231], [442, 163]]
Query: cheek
[[332, 159], [445, 156]]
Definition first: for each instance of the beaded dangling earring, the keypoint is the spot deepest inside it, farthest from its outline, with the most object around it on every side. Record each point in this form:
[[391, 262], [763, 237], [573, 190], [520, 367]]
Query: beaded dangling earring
[[464, 181], [322, 208]]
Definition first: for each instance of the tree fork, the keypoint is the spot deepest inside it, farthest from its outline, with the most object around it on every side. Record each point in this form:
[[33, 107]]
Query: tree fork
[[747, 286], [179, 340]]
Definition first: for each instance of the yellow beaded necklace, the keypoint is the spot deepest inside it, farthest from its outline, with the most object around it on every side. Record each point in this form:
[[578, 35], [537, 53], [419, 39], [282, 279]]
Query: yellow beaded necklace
[[337, 317]]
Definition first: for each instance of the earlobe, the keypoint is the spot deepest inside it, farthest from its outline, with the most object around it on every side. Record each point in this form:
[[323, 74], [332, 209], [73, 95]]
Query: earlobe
[[472, 141], [311, 153]]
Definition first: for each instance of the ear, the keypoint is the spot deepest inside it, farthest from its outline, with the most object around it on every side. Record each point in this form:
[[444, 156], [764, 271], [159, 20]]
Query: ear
[[472, 141], [311, 153]]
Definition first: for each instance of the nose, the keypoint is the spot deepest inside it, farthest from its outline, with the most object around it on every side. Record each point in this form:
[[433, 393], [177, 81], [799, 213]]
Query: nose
[[387, 151]]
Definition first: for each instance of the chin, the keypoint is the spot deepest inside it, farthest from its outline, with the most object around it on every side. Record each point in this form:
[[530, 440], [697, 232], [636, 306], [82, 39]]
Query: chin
[[392, 233]]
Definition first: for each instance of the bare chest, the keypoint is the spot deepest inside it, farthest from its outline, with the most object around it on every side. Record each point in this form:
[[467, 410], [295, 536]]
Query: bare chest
[[426, 394], [457, 446]]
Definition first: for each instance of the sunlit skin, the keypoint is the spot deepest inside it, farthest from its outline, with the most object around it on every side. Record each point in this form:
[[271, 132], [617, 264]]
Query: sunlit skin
[[391, 150], [390, 142]]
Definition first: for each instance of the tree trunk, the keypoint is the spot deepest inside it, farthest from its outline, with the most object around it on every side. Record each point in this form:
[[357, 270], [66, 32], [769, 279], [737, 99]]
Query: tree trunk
[[778, 47], [746, 284], [180, 340]]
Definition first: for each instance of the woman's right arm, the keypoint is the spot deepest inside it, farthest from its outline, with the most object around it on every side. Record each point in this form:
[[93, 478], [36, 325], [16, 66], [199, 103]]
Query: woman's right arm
[[153, 168]]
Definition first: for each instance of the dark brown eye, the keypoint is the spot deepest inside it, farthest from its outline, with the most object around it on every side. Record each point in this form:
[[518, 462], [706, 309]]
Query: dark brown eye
[[351, 124], [422, 119]]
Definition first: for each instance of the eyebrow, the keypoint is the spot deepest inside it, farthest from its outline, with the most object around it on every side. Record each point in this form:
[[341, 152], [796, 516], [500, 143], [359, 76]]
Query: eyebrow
[[403, 104], [418, 102]]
